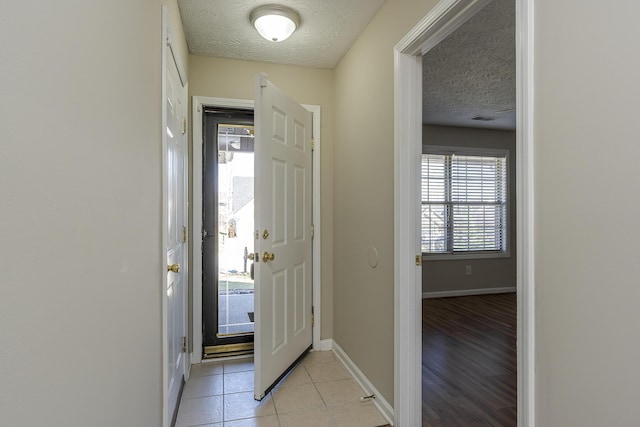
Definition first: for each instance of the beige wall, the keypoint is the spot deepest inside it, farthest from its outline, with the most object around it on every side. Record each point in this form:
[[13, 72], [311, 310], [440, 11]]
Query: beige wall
[[586, 212], [450, 275], [363, 192], [226, 78], [80, 179]]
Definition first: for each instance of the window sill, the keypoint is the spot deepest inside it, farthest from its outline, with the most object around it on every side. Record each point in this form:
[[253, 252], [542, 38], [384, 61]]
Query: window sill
[[451, 257]]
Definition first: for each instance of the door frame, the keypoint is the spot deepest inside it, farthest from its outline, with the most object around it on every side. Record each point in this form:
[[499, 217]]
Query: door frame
[[240, 342], [443, 19], [166, 41], [198, 104]]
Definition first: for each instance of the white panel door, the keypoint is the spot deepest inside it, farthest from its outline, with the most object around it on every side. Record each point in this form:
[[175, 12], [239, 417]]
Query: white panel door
[[283, 329], [175, 166]]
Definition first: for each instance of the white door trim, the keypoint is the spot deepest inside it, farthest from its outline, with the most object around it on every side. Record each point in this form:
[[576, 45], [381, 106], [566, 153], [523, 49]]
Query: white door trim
[[164, 239], [196, 238], [525, 221], [447, 16]]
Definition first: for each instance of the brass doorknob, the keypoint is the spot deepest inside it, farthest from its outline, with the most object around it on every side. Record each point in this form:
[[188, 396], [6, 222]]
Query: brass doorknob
[[251, 256], [174, 268], [268, 256]]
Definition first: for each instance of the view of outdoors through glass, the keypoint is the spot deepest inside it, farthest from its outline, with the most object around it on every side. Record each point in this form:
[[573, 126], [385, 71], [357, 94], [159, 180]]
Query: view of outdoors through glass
[[235, 229]]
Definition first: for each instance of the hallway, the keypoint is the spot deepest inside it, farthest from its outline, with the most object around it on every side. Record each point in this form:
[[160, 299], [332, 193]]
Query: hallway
[[319, 392]]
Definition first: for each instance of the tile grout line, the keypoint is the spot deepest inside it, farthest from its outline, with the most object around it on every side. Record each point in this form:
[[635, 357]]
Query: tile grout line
[[224, 391], [273, 402], [326, 407]]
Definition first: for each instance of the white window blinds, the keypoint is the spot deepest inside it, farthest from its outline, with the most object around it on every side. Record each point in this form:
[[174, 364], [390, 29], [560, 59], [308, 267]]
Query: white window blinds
[[464, 203]]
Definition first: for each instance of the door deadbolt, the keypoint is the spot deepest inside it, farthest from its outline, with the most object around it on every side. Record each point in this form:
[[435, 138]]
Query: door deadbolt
[[265, 234]]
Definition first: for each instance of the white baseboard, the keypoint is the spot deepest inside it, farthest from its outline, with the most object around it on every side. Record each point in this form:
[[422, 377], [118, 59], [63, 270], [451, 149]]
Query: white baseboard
[[187, 371], [195, 357], [468, 292], [380, 402], [324, 345]]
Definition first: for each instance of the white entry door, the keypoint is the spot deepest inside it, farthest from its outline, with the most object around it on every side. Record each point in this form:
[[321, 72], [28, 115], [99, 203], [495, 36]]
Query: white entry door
[[283, 329], [175, 213]]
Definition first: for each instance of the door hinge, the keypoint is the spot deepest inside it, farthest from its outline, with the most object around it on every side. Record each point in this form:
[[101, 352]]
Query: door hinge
[[184, 125], [184, 344], [313, 316], [313, 231], [313, 144], [418, 259], [184, 234]]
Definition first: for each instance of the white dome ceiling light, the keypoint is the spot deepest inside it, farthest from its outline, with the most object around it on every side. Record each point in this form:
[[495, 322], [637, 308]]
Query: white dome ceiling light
[[275, 23]]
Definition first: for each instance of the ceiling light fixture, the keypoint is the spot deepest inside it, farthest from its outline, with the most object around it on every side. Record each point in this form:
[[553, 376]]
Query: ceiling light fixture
[[275, 23]]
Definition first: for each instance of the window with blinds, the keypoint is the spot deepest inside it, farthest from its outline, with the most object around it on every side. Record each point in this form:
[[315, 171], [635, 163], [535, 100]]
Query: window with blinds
[[464, 203]]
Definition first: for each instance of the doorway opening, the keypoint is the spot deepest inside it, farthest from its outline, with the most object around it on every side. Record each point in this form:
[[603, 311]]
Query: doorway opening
[[200, 104], [468, 221], [444, 19], [228, 232]]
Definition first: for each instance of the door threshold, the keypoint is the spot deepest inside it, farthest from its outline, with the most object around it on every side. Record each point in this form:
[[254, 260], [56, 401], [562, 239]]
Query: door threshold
[[227, 350]]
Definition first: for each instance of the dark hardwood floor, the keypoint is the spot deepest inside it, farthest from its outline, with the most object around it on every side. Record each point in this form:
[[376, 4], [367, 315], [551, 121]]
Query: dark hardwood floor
[[469, 361]]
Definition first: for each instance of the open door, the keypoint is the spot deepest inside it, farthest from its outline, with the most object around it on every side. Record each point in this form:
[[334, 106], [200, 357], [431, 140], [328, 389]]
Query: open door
[[282, 252]]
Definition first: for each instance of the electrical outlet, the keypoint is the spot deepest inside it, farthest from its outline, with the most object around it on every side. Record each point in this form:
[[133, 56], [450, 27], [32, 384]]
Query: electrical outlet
[[468, 270]]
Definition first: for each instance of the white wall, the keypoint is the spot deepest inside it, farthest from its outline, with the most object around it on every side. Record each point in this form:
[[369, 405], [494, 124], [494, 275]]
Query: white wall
[[587, 207], [80, 187]]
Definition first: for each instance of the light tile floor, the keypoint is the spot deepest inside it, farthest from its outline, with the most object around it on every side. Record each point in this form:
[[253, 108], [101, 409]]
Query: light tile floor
[[319, 392]]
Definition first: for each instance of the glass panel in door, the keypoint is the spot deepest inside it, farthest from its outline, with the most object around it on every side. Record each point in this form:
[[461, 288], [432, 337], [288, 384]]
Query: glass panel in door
[[235, 217]]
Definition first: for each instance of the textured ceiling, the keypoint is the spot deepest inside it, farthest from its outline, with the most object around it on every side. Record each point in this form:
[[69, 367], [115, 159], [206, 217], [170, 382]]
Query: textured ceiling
[[472, 72], [328, 28]]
